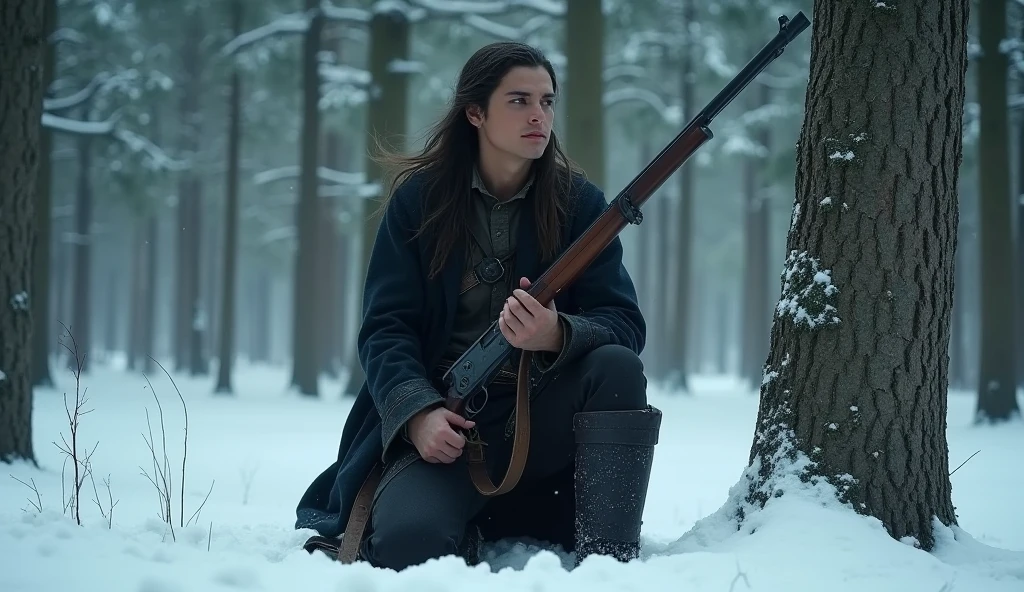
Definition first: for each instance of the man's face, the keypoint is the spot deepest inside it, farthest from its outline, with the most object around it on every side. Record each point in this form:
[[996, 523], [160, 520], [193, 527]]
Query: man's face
[[520, 114]]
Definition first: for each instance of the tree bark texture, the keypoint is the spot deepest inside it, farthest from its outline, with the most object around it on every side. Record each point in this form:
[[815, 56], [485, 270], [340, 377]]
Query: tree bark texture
[[856, 380], [22, 46], [997, 378]]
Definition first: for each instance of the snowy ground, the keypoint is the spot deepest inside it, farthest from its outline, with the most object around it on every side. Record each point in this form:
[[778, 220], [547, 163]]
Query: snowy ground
[[259, 452]]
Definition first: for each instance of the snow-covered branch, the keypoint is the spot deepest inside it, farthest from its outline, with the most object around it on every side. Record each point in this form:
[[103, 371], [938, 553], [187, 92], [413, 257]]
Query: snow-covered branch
[[548, 7], [619, 71], [347, 75], [294, 23], [406, 67], [157, 158], [288, 23], [672, 114], [638, 40], [323, 173], [67, 35], [101, 81], [344, 14], [360, 191], [502, 31], [77, 127]]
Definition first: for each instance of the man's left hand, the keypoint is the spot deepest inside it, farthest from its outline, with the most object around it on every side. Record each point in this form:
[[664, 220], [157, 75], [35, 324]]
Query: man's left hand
[[528, 325]]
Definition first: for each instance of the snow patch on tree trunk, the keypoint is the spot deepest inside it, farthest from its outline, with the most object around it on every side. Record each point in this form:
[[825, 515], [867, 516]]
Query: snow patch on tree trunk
[[808, 294]]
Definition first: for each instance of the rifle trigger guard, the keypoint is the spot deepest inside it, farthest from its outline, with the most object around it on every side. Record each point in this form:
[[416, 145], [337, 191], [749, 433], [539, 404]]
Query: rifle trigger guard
[[630, 212], [470, 410]]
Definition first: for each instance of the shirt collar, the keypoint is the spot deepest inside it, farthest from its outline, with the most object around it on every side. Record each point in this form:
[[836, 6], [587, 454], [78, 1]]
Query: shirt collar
[[478, 184]]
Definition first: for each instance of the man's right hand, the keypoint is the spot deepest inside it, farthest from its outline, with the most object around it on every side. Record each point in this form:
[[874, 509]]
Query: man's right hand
[[433, 436]]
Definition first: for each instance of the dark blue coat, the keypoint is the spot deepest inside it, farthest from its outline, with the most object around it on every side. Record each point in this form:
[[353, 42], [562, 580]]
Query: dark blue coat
[[407, 321]]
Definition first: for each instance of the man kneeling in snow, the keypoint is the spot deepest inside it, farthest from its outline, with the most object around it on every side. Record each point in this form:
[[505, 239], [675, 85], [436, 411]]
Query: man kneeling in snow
[[490, 202]]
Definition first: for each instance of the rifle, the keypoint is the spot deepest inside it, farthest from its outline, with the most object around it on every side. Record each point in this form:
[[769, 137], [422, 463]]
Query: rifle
[[480, 363]]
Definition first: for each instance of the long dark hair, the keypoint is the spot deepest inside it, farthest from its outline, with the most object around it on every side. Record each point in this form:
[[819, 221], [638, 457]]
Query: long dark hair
[[452, 143]]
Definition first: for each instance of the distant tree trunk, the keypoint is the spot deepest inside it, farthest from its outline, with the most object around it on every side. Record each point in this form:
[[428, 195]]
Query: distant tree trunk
[[305, 345], [328, 267], [857, 373], [260, 309], [997, 380], [723, 308], [679, 365], [189, 320], [81, 323], [756, 305], [198, 320], [41, 267], [226, 354], [148, 336], [135, 293], [584, 88], [113, 306], [23, 32], [386, 121]]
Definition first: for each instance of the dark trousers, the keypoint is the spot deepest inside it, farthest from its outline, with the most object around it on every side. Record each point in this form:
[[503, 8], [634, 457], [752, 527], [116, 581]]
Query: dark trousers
[[423, 510]]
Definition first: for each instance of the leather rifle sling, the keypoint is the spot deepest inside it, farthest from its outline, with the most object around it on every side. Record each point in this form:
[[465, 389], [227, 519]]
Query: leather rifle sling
[[520, 444], [358, 516]]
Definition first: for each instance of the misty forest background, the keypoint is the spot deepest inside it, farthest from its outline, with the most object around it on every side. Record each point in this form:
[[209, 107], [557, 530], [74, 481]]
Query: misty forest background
[[206, 187]]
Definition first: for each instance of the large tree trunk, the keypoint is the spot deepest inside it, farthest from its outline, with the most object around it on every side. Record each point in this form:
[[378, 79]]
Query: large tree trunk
[[1019, 201], [22, 46], [226, 354], [386, 121], [43, 210], [305, 361], [857, 374], [584, 87], [997, 379]]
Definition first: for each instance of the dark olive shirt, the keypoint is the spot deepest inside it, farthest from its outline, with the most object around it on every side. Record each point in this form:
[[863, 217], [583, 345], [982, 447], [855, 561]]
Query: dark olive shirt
[[494, 226]]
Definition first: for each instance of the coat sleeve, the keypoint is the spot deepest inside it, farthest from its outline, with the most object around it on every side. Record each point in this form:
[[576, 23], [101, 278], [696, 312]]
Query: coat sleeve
[[390, 349], [608, 310]]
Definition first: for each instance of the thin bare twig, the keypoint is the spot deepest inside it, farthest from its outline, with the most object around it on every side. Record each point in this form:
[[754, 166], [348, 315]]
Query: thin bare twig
[[195, 515], [70, 450], [963, 463], [184, 453], [163, 472], [38, 504]]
